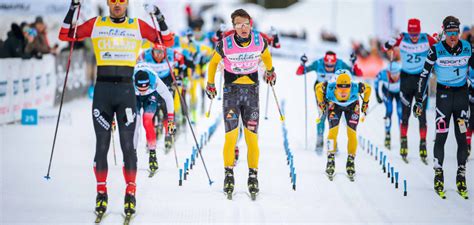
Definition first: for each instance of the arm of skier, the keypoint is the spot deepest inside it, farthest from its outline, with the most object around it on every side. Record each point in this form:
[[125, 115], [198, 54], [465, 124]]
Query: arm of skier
[[83, 31], [425, 75]]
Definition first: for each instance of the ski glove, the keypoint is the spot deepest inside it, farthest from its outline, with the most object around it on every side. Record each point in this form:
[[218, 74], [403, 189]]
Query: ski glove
[[304, 59], [379, 99], [418, 109], [75, 4], [270, 77], [322, 106], [353, 58], [171, 127], [365, 106], [152, 9], [390, 43], [211, 91]]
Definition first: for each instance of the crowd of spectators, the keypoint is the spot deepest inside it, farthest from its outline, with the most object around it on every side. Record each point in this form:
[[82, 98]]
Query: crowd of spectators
[[27, 41]]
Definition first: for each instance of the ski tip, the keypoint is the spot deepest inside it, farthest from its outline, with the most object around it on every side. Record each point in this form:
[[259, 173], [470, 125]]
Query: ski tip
[[282, 118], [207, 114], [47, 177]]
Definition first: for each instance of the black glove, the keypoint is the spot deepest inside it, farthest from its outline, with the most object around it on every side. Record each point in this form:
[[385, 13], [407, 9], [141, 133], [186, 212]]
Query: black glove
[[418, 108], [75, 4], [304, 59], [353, 58], [377, 96], [152, 9]]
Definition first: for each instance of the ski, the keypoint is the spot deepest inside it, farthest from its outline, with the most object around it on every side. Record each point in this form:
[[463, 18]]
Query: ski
[[351, 177], [99, 216], [424, 160], [463, 194], [253, 196], [127, 218], [151, 173], [228, 195], [330, 176], [441, 194], [405, 159]]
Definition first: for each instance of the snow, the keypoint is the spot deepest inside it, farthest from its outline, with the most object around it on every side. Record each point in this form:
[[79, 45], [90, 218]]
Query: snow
[[68, 198]]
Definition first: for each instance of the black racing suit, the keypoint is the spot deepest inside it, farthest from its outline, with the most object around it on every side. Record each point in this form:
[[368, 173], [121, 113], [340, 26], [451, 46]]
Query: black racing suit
[[449, 101]]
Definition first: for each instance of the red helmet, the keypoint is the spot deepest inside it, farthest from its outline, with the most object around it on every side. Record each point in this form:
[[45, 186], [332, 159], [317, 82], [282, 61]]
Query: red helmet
[[414, 26], [330, 58]]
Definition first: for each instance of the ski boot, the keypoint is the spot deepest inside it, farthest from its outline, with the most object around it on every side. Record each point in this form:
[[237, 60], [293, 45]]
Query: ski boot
[[236, 155], [100, 206], [423, 152], [168, 143], [253, 184], [439, 183], [319, 144], [461, 182], [153, 163], [229, 182], [129, 207], [350, 167], [387, 140], [404, 149], [330, 166]]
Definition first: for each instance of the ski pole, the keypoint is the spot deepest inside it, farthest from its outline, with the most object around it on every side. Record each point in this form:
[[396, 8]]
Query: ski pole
[[220, 86], [183, 102], [68, 66], [113, 139], [305, 113], [175, 155], [282, 118], [266, 104], [208, 113]]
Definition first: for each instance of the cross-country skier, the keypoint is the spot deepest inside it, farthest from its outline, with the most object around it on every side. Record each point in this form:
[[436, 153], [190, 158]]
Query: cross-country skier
[[338, 97], [157, 59], [450, 60], [241, 53], [117, 40], [414, 47], [149, 89], [325, 68], [390, 79]]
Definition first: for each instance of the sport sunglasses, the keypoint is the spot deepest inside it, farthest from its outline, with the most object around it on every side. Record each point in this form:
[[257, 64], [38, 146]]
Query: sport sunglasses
[[452, 33], [119, 1]]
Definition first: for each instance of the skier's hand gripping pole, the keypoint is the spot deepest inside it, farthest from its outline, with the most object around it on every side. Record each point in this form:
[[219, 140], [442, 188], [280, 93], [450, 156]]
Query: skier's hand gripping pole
[[183, 102], [77, 5]]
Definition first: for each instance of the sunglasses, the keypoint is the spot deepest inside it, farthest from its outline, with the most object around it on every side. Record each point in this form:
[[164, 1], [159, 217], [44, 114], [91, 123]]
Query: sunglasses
[[119, 1], [329, 65], [158, 51], [241, 25], [414, 35], [343, 85], [452, 33]]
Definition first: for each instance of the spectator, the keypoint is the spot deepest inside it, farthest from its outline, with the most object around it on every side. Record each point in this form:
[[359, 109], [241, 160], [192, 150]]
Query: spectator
[[468, 34], [15, 43], [40, 44]]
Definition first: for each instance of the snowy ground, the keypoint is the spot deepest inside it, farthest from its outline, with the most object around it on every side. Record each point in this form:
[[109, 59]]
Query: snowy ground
[[68, 198]]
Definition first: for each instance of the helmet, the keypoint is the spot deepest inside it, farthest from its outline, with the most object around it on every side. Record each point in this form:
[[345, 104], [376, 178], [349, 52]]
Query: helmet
[[343, 79], [142, 79], [414, 26], [330, 58]]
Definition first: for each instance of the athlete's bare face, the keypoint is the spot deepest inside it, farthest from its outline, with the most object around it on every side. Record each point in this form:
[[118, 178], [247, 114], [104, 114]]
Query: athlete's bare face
[[242, 26], [117, 8]]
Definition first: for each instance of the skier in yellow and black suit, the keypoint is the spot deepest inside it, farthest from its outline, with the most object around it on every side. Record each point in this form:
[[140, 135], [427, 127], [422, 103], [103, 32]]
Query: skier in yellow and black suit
[[337, 97], [241, 53]]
